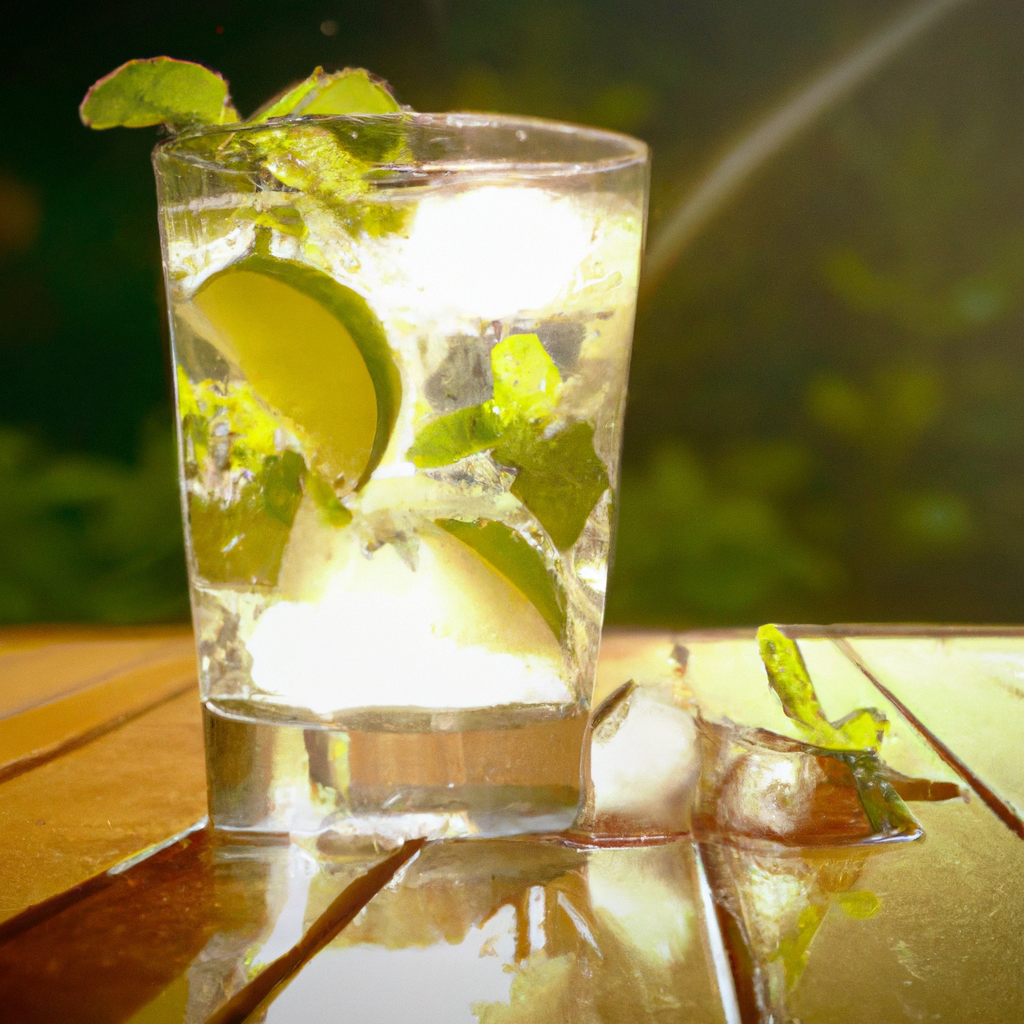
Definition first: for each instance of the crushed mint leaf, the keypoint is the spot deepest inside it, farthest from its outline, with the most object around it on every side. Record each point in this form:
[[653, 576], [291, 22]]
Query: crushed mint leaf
[[454, 436], [559, 478], [527, 384], [282, 485], [559, 475]]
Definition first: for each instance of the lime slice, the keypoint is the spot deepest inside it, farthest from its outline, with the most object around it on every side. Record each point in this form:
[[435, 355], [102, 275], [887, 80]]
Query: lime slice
[[504, 550], [313, 350]]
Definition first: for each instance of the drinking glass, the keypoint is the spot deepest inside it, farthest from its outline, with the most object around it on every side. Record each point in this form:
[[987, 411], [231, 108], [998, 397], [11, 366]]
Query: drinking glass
[[401, 345]]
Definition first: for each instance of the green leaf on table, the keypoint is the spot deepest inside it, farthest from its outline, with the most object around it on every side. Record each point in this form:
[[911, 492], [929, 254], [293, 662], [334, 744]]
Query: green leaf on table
[[159, 90], [527, 384], [517, 561], [454, 436], [863, 729], [560, 478]]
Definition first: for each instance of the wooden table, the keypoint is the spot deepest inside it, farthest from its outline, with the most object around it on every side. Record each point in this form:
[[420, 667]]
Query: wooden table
[[117, 904]]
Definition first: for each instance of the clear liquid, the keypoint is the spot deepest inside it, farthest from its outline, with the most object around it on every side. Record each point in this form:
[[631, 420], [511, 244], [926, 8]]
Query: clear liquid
[[486, 772]]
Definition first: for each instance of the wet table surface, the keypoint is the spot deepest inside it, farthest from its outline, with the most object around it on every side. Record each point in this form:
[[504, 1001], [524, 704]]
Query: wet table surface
[[727, 869]]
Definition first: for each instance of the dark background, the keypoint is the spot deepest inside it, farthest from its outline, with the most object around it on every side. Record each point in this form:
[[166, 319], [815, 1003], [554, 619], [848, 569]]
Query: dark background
[[827, 397]]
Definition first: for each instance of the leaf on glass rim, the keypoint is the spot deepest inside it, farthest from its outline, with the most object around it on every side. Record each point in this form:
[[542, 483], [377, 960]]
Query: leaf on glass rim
[[159, 90], [527, 384], [560, 478], [454, 436], [517, 561], [863, 729], [352, 91]]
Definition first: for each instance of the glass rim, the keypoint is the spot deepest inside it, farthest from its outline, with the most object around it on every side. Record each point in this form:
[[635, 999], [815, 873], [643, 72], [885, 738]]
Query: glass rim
[[623, 150]]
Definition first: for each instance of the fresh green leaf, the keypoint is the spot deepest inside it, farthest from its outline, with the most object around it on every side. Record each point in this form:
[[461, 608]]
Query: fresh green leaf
[[158, 91], [454, 436], [285, 102], [518, 562], [560, 478], [352, 91], [788, 676], [527, 384]]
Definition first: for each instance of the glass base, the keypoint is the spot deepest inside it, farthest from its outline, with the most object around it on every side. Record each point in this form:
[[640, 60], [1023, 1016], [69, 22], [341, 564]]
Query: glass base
[[394, 786]]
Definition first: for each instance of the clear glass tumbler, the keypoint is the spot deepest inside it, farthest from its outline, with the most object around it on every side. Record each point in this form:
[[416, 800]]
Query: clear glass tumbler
[[401, 346]]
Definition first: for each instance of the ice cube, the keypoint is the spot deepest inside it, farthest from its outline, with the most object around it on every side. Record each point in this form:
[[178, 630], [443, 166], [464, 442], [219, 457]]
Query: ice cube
[[644, 763], [494, 251]]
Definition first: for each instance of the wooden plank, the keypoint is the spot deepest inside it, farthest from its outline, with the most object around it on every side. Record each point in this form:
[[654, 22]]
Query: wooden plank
[[88, 710], [32, 635], [82, 813], [967, 693], [33, 676]]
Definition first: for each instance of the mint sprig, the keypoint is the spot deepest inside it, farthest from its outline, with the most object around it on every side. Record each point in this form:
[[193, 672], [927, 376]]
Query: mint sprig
[[320, 161], [559, 476], [181, 94], [863, 729]]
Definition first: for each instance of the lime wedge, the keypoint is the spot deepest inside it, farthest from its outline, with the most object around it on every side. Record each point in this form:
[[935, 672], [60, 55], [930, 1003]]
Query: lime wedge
[[504, 550], [314, 351]]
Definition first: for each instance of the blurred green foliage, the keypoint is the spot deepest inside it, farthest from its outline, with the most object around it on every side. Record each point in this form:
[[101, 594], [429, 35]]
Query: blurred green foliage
[[827, 398], [88, 538]]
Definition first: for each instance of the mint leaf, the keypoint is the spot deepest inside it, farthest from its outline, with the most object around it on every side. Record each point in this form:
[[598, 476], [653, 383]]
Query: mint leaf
[[332, 511], [527, 384], [454, 436], [560, 479], [863, 729], [282, 485], [237, 543], [352, 91], [517, 561], [159, 90]]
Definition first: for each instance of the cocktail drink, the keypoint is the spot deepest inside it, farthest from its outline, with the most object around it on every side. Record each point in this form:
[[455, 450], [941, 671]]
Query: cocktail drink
[[401, 344]]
